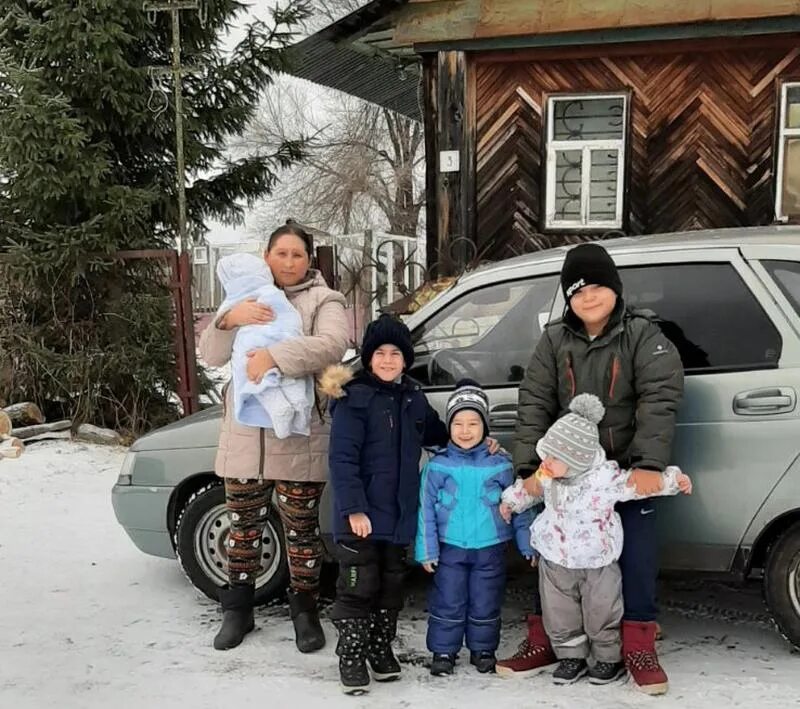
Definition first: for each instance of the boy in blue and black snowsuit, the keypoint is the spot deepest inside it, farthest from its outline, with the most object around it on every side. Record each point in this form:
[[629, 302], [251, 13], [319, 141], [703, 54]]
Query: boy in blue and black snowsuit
[[381, 421], [461, 536]]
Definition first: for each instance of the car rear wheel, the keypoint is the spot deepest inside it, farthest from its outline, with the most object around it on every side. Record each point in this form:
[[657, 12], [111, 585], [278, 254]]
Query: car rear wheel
[[782, 583], [201, 537]]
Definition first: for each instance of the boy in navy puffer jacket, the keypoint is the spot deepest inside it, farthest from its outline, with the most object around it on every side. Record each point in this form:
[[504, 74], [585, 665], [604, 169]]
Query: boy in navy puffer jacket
[[381, 421], [461, 533]]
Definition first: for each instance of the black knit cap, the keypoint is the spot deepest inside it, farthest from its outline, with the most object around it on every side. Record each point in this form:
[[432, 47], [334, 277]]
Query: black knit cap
[[586, 265], [468, 395], [387, 330]]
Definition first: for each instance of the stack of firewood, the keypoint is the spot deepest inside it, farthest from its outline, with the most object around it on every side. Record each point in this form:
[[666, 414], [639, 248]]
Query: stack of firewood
[[25, 422]]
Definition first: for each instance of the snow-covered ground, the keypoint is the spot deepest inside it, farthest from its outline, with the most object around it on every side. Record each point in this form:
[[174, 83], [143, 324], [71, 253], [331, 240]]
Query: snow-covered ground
[[88, 621]]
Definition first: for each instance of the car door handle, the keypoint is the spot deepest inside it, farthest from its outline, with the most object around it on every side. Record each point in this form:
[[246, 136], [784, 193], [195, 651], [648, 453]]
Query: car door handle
[[503, 416], [765, 401]]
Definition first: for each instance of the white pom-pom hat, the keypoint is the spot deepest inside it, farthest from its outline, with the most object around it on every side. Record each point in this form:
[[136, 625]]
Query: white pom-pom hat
[[574, 438]]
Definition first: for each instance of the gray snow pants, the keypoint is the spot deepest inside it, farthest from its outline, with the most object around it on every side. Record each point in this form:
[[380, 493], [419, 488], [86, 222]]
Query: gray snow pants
[[582, 610]]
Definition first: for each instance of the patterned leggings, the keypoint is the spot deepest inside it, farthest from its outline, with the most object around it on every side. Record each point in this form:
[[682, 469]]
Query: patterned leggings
[[298, 504]]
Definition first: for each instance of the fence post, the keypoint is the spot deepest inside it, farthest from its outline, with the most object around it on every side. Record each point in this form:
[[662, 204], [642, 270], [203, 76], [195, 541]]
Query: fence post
[[326, 258], [191, 405]]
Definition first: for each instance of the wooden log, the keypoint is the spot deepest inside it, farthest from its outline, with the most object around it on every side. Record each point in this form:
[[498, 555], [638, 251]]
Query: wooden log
[[93, 434], [28, 432], [11, 447], [5, 423], [25, 413]]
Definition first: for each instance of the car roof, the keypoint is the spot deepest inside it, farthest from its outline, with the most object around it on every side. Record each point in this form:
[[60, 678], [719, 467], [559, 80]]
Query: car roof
[[734, 237]]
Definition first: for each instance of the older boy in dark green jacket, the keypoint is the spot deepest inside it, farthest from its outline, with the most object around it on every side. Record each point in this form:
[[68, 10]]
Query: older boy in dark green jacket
[[600, 347]]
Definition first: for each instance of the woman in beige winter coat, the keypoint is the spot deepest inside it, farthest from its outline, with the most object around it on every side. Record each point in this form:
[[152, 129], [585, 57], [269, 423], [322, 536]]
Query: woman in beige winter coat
[[254, 463]]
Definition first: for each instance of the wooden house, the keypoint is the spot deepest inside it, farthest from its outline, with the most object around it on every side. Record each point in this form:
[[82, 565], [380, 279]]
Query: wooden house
[[549, 121]]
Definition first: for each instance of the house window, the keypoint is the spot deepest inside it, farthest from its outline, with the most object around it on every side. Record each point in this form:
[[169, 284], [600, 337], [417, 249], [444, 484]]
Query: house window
[[787, 198], [585, 161]]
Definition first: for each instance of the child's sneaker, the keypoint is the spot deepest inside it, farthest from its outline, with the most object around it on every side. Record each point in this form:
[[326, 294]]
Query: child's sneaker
[[606, 672], [442, 664], [570, 670], [484, 661]]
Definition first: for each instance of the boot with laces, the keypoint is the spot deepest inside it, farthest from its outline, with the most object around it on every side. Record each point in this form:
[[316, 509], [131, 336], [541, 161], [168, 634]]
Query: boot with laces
[[641, 660], [534, 654]]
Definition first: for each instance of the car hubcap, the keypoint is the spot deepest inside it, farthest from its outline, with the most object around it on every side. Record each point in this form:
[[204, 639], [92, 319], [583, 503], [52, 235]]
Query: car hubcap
[[794, 583], [211, 550]]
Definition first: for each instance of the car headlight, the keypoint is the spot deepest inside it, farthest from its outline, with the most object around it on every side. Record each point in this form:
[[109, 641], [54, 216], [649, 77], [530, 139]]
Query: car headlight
[[126, 471]]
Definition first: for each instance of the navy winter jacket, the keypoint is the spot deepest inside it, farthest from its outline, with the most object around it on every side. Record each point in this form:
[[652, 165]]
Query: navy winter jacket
[[377, 434]]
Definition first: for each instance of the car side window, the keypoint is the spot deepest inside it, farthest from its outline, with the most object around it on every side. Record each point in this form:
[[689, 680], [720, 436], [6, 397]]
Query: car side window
[[487, 334], [787, 275], [708, 312]]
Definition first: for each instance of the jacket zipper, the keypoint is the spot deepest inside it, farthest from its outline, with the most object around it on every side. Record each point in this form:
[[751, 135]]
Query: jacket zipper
[[571, 377], [262, 454], [614, 375]]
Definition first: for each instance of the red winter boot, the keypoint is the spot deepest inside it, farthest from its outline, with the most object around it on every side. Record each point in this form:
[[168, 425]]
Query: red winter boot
[[639, 653], [534, 653]]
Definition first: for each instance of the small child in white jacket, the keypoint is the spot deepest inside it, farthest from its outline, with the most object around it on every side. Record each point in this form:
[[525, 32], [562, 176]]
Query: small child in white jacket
[[579, 539], [280, 403]]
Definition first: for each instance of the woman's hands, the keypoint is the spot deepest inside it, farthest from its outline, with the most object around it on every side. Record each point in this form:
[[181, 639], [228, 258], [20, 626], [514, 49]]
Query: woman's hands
[[248, 312], [259, 362]]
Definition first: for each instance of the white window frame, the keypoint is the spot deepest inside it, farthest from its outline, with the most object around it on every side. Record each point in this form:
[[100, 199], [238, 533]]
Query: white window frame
[[586, 147], [784, 134]]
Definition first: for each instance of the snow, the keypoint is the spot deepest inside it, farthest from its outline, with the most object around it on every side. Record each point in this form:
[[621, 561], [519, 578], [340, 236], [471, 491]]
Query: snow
[[88, 621]]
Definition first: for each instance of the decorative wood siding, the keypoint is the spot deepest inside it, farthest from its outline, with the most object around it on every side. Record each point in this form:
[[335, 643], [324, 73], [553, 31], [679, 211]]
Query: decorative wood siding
[[700, 148]]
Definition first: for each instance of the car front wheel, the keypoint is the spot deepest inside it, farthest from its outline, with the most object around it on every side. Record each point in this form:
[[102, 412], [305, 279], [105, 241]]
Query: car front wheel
[[782, 583], [201, 539]]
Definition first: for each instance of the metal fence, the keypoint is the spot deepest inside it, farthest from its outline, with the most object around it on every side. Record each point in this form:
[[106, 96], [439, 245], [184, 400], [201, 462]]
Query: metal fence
[[372, 269]]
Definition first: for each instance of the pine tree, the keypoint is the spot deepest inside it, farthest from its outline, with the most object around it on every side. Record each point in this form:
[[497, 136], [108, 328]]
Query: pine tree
[[87, 168]]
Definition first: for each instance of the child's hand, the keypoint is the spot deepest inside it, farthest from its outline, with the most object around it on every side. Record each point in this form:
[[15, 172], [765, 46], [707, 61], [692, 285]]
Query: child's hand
[[430, 566], [360, 524], [505, 512], [532, 486], [684, 483], [534, 561]]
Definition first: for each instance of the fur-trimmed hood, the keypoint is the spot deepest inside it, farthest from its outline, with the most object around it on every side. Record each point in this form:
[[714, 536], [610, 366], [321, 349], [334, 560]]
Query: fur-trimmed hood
[[333, 380]]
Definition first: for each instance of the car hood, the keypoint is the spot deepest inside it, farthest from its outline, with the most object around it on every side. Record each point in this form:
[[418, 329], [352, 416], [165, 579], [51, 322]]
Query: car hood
[[200, 430]]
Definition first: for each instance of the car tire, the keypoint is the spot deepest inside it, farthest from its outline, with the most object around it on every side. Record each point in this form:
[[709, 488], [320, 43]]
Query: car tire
[[782, 583], [201, 535]]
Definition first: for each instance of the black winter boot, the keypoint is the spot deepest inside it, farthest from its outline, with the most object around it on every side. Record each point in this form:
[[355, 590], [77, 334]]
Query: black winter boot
[[442, 664], [308, 632], [381, 659], [237, 616], [352, 652], [484, 661]]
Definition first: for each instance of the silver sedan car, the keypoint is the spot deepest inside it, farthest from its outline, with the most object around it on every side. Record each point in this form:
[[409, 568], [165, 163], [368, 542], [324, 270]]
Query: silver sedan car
[[728, 299]]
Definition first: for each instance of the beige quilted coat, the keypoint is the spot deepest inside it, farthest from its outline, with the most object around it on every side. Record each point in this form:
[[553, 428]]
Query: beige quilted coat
[[248, 452]]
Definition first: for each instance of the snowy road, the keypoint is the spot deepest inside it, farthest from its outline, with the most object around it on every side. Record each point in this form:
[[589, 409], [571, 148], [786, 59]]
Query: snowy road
[[88, 621]]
